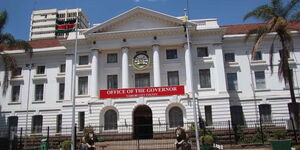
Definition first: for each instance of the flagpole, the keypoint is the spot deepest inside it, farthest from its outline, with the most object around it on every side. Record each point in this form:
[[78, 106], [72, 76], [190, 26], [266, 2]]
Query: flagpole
[[192, 82], [73, 83]]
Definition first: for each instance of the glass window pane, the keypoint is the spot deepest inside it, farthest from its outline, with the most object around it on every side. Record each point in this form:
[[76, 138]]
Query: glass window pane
[[202, 51], [265, 112], [110, 120], [39, 92], [175, 117], [112, 58], [61, 91], [173, 78], [82, 85], [81, 120], [204, 76], [15, 93], [232, 81], [17, 72], [12, 123], [171, 53], [62, 68], [229, 57], [142, 80], [83, 60], [112, 81], [40, 70], [58, 123], [260, 79], [208, 115], [258, 55], [37, 124]]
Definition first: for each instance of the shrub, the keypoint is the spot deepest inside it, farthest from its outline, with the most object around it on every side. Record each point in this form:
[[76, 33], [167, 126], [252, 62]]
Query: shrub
[[279, 134], [206, 140], [66, 145]]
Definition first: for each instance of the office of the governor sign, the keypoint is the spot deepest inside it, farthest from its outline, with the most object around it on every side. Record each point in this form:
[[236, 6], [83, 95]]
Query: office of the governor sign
[[142, 92]]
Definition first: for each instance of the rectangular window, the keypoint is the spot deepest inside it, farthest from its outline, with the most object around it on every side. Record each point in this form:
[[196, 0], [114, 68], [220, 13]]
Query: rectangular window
[[12, 123], [82, 85], [58, 123], [232, 81], [265, 113], [229, 57], [81, 121], [39, 92], [112, 58], [142, 80], [17, 72], [171, 53], [202, 51], [112, 81], [15, 93], [40, 70], [61, 91], [62, 68], [84, 60], [204, 76], [208, 115], [260, 79], [37, 124], [258, 56], [173, 78]]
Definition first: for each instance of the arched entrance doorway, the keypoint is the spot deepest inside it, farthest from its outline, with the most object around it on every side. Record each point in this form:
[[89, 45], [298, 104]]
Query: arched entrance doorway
[[142, 122]]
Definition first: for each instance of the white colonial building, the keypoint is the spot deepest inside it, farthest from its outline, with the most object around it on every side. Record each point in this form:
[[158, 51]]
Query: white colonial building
[[108, 58]]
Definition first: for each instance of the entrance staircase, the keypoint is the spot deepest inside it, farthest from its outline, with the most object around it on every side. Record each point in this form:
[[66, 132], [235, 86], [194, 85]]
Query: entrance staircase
[[145, 144]]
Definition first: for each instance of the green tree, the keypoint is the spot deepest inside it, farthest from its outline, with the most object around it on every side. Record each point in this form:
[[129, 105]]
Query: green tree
[[7, 41], [277, 15]]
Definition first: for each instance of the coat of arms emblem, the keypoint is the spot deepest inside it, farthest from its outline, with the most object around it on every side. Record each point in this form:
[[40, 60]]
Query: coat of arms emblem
[[141, 61]]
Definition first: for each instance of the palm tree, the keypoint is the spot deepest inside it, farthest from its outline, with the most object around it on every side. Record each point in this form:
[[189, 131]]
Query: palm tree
[[7, 41], [277, 15]]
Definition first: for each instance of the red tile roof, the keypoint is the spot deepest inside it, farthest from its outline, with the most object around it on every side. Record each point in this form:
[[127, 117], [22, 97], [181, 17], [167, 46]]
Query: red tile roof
[[244, 28]]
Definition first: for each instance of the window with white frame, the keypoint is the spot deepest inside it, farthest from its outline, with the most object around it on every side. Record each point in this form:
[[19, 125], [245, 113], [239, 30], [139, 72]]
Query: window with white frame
[[229, 57], [81, 120], [83, 60], [82, 85], [202, 51], [62, 68], [110, 120], [175, 117], [12, 123], [112, 81], [208, 115], [37, 124], [171, 53], [40, 70], [265, 112], [112, 58], [15, 96], [39, 92], [204, 76], [58, 123], [142, 80], [232, 83], [173, 78], [61, 91], [260, 79], [257, 56]]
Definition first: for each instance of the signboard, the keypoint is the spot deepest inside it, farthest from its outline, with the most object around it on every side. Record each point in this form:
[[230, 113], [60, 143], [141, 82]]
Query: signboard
[[142, 92]]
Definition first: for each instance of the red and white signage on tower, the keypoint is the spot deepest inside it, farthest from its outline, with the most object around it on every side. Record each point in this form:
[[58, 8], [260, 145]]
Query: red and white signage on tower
[[142, 92]]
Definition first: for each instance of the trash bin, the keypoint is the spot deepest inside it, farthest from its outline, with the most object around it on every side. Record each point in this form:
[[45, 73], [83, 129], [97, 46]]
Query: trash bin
[[44, 144]]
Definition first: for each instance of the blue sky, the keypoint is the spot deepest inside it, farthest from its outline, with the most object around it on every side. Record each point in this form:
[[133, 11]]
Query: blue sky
[[226, 11]]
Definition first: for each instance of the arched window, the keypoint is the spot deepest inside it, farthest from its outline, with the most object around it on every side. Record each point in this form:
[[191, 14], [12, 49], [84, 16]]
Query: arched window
[[110, 120], [175, 117]]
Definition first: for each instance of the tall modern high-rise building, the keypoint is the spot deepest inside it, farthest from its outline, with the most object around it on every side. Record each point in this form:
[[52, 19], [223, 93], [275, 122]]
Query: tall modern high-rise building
[[44, 22]]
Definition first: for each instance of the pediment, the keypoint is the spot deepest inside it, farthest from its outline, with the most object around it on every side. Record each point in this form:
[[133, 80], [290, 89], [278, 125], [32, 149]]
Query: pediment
[[137, 18]]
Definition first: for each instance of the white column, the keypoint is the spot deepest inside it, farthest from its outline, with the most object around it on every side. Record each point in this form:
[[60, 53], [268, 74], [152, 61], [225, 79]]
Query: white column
[[156, 65], [94, 75], [68, 76], [125, 74], [188, 68], [220, 71]]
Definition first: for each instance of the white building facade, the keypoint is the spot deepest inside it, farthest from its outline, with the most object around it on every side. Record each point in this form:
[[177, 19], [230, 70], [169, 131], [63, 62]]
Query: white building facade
[[222, 69], [43, 22]]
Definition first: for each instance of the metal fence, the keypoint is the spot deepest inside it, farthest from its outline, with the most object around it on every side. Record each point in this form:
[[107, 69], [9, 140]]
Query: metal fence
[[155, 136]]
